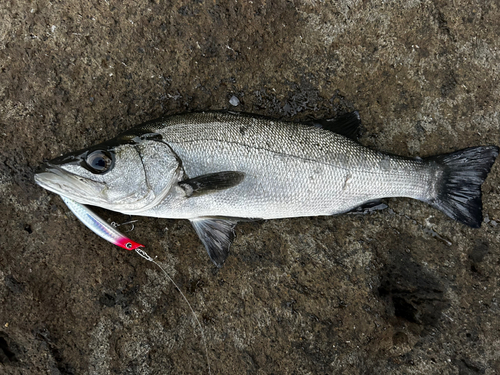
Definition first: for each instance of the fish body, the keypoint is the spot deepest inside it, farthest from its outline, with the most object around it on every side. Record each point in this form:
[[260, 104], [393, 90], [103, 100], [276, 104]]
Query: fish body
[[289, 170], [217, 168]]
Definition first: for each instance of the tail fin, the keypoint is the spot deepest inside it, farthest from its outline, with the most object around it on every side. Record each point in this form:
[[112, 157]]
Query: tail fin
[[459, 191]]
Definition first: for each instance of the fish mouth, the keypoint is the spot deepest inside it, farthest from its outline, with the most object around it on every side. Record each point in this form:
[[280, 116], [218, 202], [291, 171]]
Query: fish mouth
[[62, 182]]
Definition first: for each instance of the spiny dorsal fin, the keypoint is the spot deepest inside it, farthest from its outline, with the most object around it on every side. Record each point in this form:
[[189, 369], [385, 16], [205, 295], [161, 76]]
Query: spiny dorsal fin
[[217, 234], [211, 182], [348, 125]]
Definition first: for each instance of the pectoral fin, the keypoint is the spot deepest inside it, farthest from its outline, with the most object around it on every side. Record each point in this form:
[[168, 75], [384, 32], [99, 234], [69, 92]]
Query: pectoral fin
[[211, 182], [217, 234]]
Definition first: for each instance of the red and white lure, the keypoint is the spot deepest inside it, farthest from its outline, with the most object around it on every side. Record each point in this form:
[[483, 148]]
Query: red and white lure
[[99, 226], [109, 233]]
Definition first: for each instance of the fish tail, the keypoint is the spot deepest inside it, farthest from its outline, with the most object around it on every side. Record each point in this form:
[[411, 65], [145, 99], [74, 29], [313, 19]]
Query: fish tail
[[458, 192]]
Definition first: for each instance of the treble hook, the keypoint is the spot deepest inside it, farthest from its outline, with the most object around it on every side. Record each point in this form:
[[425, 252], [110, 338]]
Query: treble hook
[[131, 222]]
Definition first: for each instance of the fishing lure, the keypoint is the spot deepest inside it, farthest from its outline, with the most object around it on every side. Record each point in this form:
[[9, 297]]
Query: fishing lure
[[99, 226], [109, 233]]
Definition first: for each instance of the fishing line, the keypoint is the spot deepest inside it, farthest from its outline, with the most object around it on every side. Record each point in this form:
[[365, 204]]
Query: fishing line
[[145, 255]]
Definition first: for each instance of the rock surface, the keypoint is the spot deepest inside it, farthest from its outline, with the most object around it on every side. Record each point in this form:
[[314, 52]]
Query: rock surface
[[403, 290]]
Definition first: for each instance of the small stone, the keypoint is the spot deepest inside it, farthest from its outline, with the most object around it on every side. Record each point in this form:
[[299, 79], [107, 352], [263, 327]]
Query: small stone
[[234, 101]]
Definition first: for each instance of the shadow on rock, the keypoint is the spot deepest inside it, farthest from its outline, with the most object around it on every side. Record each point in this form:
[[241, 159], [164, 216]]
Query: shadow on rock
[[9, 350], [412, 293]]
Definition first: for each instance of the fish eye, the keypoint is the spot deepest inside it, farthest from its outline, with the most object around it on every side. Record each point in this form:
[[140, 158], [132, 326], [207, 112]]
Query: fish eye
[[99, 161]]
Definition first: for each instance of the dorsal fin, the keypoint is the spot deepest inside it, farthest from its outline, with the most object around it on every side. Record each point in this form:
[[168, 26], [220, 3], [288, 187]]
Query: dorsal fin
[[348, 125]]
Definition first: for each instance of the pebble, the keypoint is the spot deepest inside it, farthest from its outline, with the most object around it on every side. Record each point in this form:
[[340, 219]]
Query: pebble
[[234, 101]]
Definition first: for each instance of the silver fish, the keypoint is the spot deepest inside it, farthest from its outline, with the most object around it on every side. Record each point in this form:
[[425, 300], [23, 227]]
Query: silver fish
[[216, 169]]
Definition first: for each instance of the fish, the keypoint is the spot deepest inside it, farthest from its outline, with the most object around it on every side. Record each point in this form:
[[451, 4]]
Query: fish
[[216, 169]]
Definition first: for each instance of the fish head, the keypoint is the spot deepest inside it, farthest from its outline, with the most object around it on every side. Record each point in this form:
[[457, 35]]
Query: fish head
[[130, 173]]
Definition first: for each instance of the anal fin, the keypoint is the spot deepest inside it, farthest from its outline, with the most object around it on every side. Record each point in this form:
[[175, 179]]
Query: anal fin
[[216, 234], [369, 207]]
